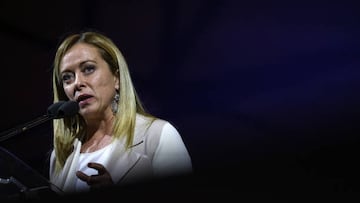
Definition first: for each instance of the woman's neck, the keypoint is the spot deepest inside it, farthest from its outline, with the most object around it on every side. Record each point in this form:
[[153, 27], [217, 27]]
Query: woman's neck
[[98, 135]]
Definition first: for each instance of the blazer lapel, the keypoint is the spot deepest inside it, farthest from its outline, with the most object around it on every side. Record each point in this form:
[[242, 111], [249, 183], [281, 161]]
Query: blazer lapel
[[66, 179], [131, 164]]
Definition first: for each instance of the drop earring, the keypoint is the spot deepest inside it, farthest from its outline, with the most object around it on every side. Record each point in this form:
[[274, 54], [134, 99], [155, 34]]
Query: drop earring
[[115, 102]]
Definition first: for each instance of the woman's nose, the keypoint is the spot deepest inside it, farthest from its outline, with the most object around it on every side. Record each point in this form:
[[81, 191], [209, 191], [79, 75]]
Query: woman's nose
[[79, 81]]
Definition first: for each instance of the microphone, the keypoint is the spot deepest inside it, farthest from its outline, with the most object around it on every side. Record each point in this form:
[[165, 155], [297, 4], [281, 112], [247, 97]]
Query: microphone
[[57, 110], [63, 109], [52, 110]]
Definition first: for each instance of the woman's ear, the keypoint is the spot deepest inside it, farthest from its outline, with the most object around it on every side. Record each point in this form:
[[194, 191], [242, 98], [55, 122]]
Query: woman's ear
[[117, 83], [117, 80]]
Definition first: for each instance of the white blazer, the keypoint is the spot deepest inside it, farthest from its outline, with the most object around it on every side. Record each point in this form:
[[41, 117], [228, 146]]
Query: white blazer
[[157, 151]]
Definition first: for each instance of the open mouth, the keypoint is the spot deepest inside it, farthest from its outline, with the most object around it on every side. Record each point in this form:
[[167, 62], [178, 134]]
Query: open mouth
[[83, 99]]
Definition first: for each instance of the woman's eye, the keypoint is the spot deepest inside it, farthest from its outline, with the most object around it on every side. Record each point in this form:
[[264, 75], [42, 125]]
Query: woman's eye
[[88, 69], [67, 77]]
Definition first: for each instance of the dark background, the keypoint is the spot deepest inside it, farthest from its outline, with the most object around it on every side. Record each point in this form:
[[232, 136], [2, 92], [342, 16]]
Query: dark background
[[264, 93]]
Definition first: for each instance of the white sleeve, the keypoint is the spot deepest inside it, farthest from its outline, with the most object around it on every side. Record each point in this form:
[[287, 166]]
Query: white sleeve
[[171, 156]]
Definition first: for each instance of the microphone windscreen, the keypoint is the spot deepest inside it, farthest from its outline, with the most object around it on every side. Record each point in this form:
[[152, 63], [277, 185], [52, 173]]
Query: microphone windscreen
[[67, 109], [53, 108]]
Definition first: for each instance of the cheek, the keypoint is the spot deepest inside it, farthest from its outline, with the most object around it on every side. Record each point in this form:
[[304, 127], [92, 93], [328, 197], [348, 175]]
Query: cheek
[[104, 82], [68, 91]]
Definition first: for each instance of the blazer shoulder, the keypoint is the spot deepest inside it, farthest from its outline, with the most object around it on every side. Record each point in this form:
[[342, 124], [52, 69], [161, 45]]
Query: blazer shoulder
[[148, 134]]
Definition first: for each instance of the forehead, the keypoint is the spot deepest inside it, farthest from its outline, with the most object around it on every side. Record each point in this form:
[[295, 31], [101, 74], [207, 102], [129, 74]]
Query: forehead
[[77, 54]]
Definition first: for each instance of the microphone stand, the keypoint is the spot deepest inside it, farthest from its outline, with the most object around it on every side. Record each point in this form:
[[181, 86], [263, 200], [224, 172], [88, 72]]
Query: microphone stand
[[24, 192], [17, 130], [57, 110]]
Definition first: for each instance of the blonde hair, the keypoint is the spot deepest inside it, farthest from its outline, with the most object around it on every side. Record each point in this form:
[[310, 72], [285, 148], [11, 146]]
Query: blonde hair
[[67, 129]]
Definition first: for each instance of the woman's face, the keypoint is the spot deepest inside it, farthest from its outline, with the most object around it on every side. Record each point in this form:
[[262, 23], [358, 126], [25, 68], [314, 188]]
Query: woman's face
[[87, 79]]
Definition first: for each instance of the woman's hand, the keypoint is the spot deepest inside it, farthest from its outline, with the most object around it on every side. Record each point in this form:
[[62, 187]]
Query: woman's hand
[[102, 179]]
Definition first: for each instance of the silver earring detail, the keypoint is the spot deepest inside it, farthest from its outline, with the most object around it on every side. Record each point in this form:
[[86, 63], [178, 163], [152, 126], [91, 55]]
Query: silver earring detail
[[115, 102]]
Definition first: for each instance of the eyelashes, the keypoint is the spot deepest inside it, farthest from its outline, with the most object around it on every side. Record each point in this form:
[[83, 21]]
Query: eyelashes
[[69, 77]]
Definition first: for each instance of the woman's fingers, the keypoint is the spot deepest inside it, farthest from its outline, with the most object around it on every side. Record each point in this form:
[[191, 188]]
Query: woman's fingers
[[99, 167], [103, 178], [82, 176]]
